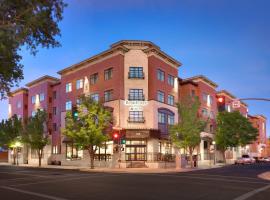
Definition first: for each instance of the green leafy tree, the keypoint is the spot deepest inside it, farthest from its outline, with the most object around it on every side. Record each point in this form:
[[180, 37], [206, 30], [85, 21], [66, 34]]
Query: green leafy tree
[[35, 134], [186, 133], [10, 134], [29, 23], [233, 129], [87, 131]]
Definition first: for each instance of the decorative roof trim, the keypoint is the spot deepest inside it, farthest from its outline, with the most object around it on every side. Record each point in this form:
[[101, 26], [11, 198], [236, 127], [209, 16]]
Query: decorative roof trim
[[43, 78], [22, 89], [204, 78]]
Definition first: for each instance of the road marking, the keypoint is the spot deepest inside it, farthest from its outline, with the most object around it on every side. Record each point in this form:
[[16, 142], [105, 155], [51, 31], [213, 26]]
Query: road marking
[[205, 178], [32, 193], [252, 193], [64, 179]]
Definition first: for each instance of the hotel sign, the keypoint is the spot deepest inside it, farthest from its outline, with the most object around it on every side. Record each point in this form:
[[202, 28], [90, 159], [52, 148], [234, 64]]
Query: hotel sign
[[135, 103]]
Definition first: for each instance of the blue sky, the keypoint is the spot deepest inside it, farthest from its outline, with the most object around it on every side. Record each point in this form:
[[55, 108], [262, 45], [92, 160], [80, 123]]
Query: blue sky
[[225, 40]]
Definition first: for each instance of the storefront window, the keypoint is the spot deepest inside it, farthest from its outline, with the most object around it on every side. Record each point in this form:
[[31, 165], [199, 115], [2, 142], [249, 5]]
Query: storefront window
[[72, 152]]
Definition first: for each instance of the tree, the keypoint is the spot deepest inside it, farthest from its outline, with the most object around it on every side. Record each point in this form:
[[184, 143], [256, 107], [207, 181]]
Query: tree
[[10, 134], [35, 134], [29, 23], [87, 131], [186, 133], [233, 129]]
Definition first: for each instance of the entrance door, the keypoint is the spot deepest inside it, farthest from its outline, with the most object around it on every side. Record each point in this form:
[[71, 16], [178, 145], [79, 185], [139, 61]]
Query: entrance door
[[136, 151]]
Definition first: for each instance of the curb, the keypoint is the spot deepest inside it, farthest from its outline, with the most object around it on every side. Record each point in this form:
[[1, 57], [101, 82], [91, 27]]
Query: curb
[[265, 176]]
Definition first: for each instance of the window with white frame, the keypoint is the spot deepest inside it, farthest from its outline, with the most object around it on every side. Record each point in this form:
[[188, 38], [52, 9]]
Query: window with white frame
[[108, 73], [136, 116], [95, 97], [160, 75], [205, 97], [136, 72], [136, 95], [33, 113], [93, 78], [171, 80], [41, 97], [33, 99], [161, 118], [68, 87], [19, 104], [79, 84], [108, 95], [68, 105], [170, 99], [170, 119], [160, 96]]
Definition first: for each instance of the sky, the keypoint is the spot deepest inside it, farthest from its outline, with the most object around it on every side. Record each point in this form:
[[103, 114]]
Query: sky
[[226, 40]]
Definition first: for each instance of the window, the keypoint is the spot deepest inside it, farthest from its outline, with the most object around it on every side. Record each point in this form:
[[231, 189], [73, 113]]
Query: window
[[54, 110], [161, 118], [93, 78], [19, 104], [204, 112], [170, 119], [55, 150], [68, 105], [78, 101], [193, 93], [54, 95], [33, 99], [33, 113], [95, 97], [171, 80], [205, 97], [211, 115], [160, 75], [136, 94], [108, 95], [68, 87], [54, 127], [228, 108], [136, 72], [79, 84], [211, 128], [41, 97], [136, 116], [170, 100], [72, 152], [160, 96], [108, 74], [211, 100]]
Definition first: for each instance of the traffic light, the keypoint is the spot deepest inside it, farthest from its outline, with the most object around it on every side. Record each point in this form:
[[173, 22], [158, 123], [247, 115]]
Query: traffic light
[[75, 113], [123, 141], [221, 103], [115, 136]]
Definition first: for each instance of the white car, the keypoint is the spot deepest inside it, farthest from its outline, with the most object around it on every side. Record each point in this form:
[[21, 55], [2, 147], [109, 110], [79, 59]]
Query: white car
[[266, 159], [245, 159]]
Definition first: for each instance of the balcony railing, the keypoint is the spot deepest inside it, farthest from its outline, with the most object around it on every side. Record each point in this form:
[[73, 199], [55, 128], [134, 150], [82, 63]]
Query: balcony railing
[[138, 75], [136, 97], [136, 120]]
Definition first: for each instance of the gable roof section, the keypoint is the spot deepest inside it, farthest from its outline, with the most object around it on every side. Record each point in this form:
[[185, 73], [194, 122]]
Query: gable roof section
[[22, 89], [204, 78], [43, 78]]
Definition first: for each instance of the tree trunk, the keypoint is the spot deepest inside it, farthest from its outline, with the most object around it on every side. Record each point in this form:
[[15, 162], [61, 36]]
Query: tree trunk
[[92, 155], [39, 157], [14, 156], [190, 157]]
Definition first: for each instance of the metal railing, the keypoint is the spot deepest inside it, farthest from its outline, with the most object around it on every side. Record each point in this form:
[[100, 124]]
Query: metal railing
[[136, 119], [136, 75]]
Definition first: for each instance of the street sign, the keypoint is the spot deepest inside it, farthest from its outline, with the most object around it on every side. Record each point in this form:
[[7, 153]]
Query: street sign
[[236, 103]]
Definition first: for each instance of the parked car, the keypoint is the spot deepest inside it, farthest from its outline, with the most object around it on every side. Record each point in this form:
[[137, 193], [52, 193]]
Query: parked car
[[266, 159], [245, 159]]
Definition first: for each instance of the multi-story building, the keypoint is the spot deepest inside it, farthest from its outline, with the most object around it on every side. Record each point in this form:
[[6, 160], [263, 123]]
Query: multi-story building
[[258, 148], [139, 84], [205, 90]]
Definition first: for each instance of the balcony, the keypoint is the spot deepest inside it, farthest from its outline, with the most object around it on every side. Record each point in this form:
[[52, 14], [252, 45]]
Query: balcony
[[136, 97], [136, 120], [139, 75]]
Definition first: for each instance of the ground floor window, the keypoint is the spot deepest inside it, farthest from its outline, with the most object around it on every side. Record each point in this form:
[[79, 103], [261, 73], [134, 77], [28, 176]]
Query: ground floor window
[[73, 152], [104, 152], [56, 149]]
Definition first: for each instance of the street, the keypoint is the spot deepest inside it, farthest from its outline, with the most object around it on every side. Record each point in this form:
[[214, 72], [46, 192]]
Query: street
[[230, 182]]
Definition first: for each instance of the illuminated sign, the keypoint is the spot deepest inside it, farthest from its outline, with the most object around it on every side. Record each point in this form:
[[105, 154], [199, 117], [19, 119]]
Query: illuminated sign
[[135, 103]]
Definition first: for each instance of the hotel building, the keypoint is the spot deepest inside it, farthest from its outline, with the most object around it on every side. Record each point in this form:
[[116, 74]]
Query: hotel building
[[139, 83]]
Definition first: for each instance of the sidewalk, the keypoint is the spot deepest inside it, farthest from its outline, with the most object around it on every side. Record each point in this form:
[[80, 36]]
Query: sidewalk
[[115, 170]]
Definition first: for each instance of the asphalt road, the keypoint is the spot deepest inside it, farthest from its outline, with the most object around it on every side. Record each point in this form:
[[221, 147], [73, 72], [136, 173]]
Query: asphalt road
[[231, 182]]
